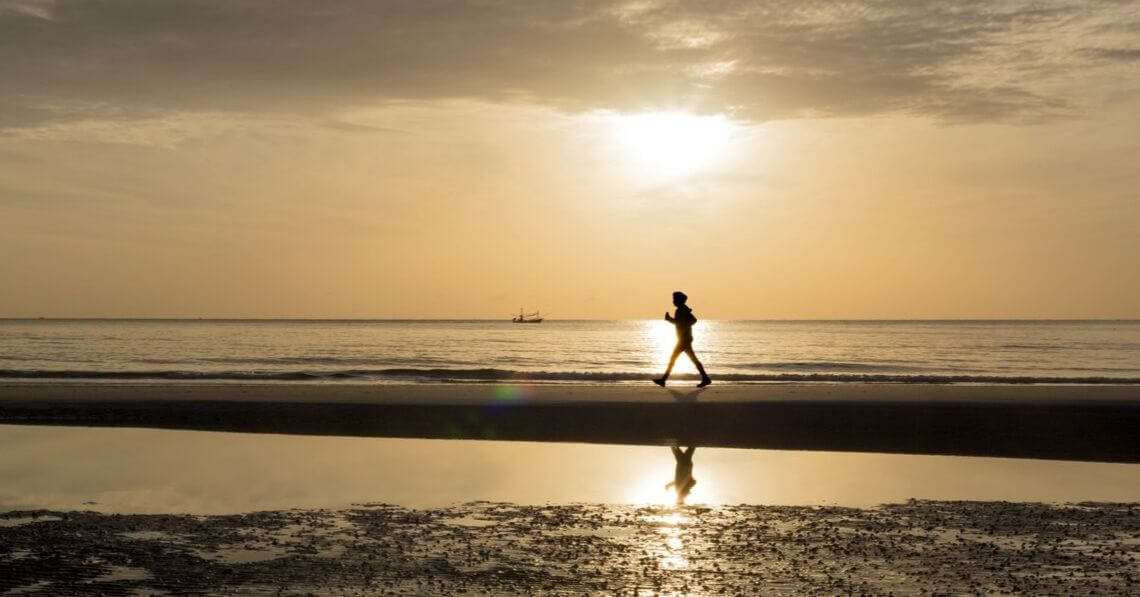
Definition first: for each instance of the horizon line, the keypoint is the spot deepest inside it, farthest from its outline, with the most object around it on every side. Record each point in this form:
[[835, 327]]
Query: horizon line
[[572, 319]]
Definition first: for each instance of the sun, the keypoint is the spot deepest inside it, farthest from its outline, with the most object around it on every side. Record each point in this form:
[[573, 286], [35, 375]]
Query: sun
[[670, 144]]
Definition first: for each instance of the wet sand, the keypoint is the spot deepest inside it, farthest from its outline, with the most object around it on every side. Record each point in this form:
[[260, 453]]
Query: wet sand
[[1068, 422], [916, 548]]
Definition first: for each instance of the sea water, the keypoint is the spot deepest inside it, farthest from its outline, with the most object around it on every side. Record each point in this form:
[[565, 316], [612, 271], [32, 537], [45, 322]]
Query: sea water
[[402, 351]]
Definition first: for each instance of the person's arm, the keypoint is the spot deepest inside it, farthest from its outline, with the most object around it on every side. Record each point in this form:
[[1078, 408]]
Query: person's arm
[[669, 318]]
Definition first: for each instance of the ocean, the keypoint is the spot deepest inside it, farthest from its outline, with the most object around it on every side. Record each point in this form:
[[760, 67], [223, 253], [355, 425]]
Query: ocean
[[455, 351]]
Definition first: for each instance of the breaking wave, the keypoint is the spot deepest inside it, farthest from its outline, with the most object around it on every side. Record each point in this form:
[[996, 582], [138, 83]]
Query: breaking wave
[[491, 375]]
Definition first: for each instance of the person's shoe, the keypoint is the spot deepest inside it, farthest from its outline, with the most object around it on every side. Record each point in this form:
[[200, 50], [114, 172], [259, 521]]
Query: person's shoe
[[660, 382], [706, 380]]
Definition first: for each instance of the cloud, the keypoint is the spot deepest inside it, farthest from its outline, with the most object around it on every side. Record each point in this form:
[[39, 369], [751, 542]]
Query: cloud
[[354, 127], [39, 9], [1115, 54], [974, 60]]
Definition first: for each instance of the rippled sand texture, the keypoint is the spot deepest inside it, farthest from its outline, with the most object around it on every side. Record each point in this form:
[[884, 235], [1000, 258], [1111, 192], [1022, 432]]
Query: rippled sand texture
[[487, 548]]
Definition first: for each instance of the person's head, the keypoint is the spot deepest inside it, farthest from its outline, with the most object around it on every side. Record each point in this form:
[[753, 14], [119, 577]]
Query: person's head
[[679, 298]]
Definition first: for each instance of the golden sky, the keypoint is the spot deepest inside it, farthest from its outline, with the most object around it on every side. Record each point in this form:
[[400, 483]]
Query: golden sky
[[460, 159]]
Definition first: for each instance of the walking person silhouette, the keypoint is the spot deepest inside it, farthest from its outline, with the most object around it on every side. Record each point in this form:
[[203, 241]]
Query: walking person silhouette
[[683, 321]]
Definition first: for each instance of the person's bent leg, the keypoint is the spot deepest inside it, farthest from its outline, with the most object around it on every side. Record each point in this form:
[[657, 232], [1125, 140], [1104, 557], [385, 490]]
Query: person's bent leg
[[696, 361], [673, 360], [669, 369], [705, 379]]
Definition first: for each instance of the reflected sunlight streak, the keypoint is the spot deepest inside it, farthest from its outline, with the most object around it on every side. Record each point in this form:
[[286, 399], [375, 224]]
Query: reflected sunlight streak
[[672, 528], [673, 558]]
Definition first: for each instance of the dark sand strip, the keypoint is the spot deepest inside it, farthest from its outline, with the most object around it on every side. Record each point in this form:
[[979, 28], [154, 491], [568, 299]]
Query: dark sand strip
[[1094, 423]]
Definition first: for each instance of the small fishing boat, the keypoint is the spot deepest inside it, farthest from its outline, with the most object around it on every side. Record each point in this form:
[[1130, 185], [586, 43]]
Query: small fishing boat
[[535, 317]]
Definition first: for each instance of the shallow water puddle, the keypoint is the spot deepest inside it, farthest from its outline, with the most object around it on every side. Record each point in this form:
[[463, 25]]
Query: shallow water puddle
[[160, 471]]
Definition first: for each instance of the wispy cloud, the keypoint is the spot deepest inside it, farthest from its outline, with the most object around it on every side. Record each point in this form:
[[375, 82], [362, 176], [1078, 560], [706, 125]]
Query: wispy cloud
[[355, 127], [1115, 54], [40, 9], [973, 60]]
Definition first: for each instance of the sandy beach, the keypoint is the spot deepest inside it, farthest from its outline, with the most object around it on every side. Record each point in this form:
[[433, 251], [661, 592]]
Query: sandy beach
[[1070, 422]]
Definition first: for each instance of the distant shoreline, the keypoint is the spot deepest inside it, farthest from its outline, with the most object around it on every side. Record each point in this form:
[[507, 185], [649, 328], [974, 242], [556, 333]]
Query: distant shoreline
[[1091, 423]]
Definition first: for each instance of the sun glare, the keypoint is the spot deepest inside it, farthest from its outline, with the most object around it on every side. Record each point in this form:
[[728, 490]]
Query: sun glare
[[660, 337], [651, 490], [667, 144]]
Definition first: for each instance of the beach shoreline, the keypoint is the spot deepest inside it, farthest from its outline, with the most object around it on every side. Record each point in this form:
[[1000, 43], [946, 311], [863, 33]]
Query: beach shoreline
[[1090, 423]]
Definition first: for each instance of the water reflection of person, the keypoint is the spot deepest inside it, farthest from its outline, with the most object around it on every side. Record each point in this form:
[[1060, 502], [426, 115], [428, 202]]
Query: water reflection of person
[[683, 480]]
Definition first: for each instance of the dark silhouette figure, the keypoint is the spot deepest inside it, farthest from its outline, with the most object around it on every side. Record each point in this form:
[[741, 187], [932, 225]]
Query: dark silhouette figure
[[683, 480], [683, 321]]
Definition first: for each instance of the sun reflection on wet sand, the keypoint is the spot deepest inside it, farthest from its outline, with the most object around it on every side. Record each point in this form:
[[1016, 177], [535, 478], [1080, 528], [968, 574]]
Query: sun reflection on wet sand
[[673, 558], [670, 553]]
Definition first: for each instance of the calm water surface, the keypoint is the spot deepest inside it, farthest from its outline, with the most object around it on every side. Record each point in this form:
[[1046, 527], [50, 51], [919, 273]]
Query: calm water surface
[[567, 351], [160, 471]]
